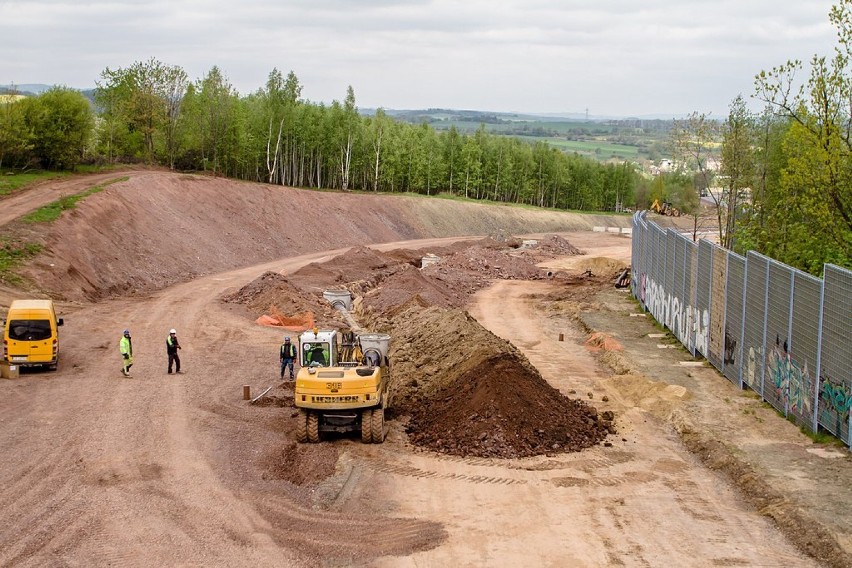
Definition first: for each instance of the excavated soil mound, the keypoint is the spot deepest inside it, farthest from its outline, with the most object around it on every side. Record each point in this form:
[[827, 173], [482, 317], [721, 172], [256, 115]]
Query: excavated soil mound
[[272, 294], [471, 393], [603, 341], [488, 263], [472, 269], [501, 409], [602, 266], [467, 391], [401, 287], [431, 348], [556, 246], [358, 268]]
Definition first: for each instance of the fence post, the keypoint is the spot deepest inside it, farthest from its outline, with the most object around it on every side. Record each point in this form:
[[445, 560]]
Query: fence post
[[765, 323], [790, 338], [818, 366], [742, 321], [725, 310]]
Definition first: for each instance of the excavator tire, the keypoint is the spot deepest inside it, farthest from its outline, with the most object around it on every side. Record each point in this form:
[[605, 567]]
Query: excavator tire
[[313, 427], [302, 427], [378, 425], [367, 426]]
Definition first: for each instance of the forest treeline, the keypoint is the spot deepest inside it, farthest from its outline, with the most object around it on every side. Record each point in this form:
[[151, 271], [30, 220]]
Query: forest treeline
[[151, 112], [783, 186]]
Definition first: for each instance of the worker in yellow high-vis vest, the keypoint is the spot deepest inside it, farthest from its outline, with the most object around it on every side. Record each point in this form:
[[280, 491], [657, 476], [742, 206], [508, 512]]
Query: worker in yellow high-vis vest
[[125, 347]]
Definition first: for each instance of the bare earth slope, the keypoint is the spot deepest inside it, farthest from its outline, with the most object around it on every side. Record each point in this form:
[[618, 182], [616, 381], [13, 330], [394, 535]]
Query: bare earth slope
[[178, 470], [159, 228]]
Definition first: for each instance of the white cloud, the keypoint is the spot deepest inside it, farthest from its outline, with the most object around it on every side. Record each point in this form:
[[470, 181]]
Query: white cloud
[[612, 57]]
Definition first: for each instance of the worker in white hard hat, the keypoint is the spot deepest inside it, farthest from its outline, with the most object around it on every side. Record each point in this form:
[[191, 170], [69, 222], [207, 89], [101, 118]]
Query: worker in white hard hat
[[172, 346], [287, 355]]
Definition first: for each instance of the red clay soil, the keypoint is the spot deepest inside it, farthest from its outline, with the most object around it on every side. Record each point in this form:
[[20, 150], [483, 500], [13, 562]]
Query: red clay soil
[[554, 245], [501, 409], [468, 392], [402, 287], [272, 294]]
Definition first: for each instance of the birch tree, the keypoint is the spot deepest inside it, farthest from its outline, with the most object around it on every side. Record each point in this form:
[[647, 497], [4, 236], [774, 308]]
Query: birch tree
[[817, 175]]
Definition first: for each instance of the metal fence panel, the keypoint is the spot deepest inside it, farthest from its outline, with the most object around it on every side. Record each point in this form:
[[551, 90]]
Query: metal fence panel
[[693, 294], [780, 289], [653, 287], [782, 332], [804, 348], [835, 394], [680, 303], [638, 237], [702, 299], [734, 295], [753, 331], [650, 260], [716, 331], [669, 281]]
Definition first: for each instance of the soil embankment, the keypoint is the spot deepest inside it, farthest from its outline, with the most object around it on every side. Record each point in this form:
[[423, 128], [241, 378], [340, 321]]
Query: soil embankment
[[159, 228]]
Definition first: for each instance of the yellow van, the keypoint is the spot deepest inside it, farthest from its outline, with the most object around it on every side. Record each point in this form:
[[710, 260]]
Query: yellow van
[[31, 334]]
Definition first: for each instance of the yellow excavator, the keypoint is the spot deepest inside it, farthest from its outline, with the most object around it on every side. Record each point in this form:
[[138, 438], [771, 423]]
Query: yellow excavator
[[665, 208], [342, 384]]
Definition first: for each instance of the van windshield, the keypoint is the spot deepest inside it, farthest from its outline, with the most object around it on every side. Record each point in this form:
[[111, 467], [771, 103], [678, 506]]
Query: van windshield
[[29, 330]]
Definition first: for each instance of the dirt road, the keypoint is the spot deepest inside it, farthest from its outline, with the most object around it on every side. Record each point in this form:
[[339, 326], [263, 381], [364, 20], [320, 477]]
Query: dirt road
[[96, 469], [166, 470], [22, 202]]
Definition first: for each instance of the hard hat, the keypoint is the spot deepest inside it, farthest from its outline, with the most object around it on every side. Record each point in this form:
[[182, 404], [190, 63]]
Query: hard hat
[[287, 338], [126, 332], [172, 331]]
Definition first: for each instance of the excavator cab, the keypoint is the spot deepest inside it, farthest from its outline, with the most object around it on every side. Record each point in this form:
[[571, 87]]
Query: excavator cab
[[316, 354]]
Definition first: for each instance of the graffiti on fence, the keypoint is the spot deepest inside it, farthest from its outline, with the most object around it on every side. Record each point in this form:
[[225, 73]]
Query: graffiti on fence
[[730, 348], [836, 398], [689, 324], [792, 383], [751, 378]]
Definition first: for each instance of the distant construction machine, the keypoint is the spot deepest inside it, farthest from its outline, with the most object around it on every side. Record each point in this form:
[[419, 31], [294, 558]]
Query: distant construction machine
[[665, 208], [342, 385]]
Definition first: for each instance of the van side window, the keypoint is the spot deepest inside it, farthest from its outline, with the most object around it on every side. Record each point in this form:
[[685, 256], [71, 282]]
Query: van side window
[[29, 330]]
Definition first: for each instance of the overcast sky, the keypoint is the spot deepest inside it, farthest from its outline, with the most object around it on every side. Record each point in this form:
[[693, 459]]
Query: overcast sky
[[607, 57]]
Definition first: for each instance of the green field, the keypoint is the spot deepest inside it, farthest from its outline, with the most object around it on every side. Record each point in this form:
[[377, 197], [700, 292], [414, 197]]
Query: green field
[[600, 150], [603, 140]]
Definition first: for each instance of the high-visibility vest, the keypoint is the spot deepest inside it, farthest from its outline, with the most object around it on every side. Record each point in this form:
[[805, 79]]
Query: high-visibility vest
[[125, 346]]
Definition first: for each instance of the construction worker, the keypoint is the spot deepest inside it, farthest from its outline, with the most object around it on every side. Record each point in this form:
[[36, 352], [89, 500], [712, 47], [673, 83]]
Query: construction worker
[[172, 346], [125, 347], [317, 355], [287, 355]]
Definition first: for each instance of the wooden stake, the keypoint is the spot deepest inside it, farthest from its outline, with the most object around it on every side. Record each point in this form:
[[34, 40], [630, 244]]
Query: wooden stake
[[246, 392], [561, 337]]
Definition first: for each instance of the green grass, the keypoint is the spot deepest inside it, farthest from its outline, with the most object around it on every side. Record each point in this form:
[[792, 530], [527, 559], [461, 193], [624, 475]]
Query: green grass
[[12, 254], [10, 181], [821, 437], [52, 211]]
